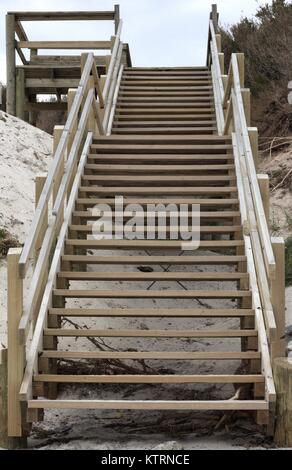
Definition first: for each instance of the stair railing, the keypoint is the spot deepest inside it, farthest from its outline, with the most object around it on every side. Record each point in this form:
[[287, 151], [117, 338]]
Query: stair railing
[[265, 257], [90, 114]]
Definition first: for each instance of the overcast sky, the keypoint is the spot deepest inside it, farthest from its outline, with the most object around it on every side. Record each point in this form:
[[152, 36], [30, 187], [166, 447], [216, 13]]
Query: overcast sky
[[159, 32]]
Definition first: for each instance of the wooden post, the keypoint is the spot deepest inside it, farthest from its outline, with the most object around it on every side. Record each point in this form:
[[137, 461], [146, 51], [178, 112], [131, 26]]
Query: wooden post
[[214, 17], [16, 352], [58, 131], [264, 184], [102, 81], [283, 383], [219, 42], [20, 93], [10, 65], [117, 18], [246, 103], [278, 297], [221, 61], [254, 142], [5, 441], [241, 68], [39, 184], [91, 125], [3, 399]]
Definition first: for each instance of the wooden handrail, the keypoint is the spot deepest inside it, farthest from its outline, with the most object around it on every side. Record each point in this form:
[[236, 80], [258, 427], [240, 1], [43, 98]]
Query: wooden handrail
[[103, 45], [46, 193], [115, 99], [112, 88], [57, 211], [230, 113], [112, 62], [36, 343]]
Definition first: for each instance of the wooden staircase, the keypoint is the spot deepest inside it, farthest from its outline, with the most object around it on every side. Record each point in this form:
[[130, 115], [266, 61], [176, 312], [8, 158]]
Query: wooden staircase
[[164, 149], [199, 327]]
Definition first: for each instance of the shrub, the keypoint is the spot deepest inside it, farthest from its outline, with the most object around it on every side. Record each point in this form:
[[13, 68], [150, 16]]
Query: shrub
[[266, 41]]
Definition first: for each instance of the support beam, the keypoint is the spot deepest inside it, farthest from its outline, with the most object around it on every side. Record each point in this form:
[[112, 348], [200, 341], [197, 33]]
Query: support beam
[[283, 382], [241, 67], [278, 297], [117, 17], [10, 65], [254, 142], [20, 93], [39, 184], [6, 442], [16, 352], [264, 184], [247, 104], [214, 16]]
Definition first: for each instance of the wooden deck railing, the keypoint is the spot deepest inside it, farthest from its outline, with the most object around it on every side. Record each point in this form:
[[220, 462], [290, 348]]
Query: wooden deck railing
[[18, 43], [90, 111], [265, 257]]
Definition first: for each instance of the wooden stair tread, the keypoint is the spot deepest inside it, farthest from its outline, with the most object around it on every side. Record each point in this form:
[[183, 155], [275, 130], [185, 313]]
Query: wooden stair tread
[[161, 379], [224, 405], [150, 333], [178, 190], [151, 244], [161, 168], [162, 123], [152, 355], [163, 130], [204, 229], [158, 159], [158, 260], [151, 294], [173, 200], [159, 276], [152, 312]]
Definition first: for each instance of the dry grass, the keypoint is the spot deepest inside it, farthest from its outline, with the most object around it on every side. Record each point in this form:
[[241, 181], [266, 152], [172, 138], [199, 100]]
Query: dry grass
[[7, 241], [266, 41]]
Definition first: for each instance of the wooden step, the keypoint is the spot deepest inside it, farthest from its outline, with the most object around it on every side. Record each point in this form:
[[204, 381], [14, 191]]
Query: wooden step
[[213, 215], [168, 106], [174, 140], [152, 312], [168, 73], [145, 81], [162, 149], [157, 179], [165, 69], [159, 159], [150, 294], [153, 355], [164, 191], [172, 112], [158, 276], [207, 116], [128, 100], [167, 124], [151, 244], [87, 202], [110, 333], [204, 229], [164, 130], [149, 379], [102, 168], [148, 90], [155, 260], [214, 405]]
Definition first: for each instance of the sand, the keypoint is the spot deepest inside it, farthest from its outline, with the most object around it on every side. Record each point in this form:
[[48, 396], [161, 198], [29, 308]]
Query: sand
[[24, 153]]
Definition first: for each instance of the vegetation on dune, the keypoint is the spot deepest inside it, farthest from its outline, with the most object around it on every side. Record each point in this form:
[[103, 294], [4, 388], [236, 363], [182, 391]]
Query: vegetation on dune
[[7, 241], [266, 41]]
